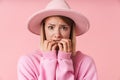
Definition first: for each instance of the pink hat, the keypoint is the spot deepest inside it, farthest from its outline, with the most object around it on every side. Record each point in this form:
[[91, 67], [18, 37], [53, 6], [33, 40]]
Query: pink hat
[[58, 7]]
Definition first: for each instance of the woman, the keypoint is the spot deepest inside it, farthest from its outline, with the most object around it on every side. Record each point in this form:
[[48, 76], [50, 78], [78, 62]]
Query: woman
[[57, 58]]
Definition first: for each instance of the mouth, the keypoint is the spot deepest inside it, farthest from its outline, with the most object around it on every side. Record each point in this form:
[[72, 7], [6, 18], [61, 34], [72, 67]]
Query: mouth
[[57, 41], [57, 48]]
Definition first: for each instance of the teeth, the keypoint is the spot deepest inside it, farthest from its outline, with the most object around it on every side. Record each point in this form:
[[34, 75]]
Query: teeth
[[57, 41]]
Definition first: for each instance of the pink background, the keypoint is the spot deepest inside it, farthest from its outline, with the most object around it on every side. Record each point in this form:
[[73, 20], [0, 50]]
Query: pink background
[[102, 41]]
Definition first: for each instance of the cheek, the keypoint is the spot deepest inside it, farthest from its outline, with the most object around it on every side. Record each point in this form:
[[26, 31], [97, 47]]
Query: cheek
[[48, 34], [66, 34]]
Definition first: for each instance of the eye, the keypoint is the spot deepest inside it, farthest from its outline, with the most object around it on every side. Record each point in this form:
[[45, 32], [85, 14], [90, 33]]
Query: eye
[[50, 27], [64, 28]]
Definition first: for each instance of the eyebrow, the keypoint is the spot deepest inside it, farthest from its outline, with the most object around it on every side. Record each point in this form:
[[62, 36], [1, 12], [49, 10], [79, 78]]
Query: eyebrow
[[64, 25], [60, 24], [51, 24]]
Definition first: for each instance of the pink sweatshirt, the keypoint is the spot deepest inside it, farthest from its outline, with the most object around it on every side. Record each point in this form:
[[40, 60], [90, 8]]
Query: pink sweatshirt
[[49, 66]]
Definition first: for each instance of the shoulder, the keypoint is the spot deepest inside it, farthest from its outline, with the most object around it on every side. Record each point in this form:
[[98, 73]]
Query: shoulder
[[81, 57], [32, 58], [83, 61], [84, 65], [28, 65]]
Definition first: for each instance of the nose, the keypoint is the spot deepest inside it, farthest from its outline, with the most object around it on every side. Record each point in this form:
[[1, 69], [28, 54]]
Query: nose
[[57, 34]]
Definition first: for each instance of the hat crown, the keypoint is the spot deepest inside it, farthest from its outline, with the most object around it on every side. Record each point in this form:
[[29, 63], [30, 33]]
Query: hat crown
[[57, 4]]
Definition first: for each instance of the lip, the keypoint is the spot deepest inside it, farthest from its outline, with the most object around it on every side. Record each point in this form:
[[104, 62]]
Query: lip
[[57, 40]]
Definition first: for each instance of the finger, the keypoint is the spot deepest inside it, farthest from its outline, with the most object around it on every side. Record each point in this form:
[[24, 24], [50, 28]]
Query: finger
[[60, 46], [69, 44], [65, 47], [54, 47], [50, 45]]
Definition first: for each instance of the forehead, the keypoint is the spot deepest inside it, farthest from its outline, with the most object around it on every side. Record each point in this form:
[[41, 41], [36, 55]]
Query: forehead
[[54, 19], [60, 19]]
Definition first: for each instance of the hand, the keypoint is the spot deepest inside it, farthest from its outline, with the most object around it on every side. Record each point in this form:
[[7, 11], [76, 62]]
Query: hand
[[65, 45], [49, 45]]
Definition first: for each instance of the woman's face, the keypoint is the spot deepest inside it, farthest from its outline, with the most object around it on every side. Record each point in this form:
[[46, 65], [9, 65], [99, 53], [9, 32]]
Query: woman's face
[[56, 29]]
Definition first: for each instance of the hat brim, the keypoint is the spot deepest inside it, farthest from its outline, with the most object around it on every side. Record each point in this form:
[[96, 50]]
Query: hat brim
[[81, 22]]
